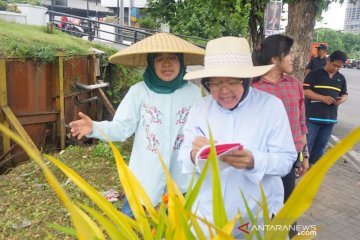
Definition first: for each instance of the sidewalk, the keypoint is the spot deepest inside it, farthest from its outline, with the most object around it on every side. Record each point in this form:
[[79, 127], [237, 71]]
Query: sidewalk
[[336, 207]]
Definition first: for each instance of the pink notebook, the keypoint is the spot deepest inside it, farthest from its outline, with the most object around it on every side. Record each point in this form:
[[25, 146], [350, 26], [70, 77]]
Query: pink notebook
[[221, 149]]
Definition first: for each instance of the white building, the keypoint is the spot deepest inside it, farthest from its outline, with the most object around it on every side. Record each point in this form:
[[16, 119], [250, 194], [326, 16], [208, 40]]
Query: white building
[[127, 3], [125, 9], [352, 17]]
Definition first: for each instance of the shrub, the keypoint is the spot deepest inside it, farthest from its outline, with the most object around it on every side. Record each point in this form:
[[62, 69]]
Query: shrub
[[121, 79], [148, 22], [3, 6], [179, 222], [32, 2]]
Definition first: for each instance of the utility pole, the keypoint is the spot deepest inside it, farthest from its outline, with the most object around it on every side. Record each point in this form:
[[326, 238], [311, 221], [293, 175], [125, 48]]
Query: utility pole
[[87, 8], [130, 11], [52, 9], [122, 12], [120, 15], [118, 9], [96, 8]]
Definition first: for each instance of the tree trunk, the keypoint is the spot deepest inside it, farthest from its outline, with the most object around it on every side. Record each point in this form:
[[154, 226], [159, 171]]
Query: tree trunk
[[256, 22], [301, 23]]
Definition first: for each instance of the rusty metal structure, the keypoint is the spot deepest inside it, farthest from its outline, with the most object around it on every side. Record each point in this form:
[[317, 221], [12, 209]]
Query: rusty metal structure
[[37, 101]]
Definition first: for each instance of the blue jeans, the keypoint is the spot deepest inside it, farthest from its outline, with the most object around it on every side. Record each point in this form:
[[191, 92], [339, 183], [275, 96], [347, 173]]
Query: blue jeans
[[126, 208], [317, 138]]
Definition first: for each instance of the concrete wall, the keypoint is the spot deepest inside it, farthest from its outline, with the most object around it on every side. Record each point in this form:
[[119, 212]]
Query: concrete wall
[[35, 15], [32, 15], [12, 17]]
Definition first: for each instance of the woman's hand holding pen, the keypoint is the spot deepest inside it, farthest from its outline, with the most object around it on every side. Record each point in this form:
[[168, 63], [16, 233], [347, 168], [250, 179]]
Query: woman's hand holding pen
[[197, 144]]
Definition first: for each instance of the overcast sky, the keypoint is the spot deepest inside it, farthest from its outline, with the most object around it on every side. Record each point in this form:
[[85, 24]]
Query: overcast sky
[[334, 17]]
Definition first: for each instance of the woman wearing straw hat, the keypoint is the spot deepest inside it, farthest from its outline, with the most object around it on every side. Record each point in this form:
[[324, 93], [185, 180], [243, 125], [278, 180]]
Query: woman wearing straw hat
[[154, 109], [235, 112]]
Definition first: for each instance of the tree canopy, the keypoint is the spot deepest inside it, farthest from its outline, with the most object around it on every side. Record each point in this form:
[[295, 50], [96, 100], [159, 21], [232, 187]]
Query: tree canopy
[[215, 18], [203, 18], [337, 40]]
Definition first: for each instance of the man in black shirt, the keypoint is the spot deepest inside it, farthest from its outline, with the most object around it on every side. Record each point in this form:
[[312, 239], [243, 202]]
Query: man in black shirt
[[325, 89], [318, 61]]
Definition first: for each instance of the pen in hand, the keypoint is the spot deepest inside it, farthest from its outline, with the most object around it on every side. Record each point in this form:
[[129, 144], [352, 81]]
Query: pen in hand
[[200, 131]]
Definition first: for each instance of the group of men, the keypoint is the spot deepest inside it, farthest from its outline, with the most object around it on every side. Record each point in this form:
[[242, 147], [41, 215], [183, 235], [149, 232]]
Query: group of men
[[325, 89]]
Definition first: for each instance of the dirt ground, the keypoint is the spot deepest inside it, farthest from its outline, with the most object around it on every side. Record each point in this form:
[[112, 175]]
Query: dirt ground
[[28, 204]]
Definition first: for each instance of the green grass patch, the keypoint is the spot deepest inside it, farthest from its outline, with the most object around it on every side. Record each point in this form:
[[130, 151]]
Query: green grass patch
[[40, 43], [26, 197]]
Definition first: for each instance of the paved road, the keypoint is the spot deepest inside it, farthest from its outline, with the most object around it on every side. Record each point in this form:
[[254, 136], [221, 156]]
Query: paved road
[[349, 112], [336, 208]]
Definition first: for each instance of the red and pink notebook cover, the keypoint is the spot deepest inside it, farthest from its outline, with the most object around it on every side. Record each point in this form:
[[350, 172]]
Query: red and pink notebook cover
[[221, 149]]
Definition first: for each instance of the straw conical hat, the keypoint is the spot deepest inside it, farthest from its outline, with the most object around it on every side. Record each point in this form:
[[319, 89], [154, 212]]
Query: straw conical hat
[[135, 55], [228, 57]]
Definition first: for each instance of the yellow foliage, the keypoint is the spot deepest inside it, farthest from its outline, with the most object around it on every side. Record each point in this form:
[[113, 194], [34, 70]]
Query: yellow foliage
[[179, 222]]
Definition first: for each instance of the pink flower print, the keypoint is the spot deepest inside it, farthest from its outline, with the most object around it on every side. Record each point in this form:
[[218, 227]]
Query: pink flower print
[[179, 141], [182, 115], [152, 139], [154, 113]]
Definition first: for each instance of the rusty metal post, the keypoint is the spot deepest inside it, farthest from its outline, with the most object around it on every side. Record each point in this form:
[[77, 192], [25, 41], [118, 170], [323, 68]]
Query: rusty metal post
[[92, 75], [3, 102], [61, 123]]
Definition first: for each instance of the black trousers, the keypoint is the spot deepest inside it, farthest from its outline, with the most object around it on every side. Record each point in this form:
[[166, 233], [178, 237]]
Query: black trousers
[[289, 185]]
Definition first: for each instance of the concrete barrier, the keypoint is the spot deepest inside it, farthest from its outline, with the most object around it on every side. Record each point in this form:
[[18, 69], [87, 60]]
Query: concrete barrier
[[35, 15], [12, 17]]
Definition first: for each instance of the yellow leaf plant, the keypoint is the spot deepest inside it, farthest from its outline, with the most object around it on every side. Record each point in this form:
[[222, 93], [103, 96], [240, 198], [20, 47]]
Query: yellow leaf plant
[[174, 218]]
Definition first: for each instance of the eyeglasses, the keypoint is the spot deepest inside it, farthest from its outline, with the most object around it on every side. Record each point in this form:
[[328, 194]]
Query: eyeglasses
[[336, 66], [216, 86]]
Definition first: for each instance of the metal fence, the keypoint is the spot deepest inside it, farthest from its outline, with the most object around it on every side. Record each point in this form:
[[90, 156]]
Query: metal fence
[[93, 29]]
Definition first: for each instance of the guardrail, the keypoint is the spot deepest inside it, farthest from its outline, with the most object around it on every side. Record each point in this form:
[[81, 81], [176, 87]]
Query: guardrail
[[92, 29]]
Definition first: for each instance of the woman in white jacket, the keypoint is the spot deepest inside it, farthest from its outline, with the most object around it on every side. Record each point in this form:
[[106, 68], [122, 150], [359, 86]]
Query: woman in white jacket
[[238, 113]]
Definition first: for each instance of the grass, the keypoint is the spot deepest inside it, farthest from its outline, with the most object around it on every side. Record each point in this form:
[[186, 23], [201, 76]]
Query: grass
[[177, 220], [26, 196], [40, 43]]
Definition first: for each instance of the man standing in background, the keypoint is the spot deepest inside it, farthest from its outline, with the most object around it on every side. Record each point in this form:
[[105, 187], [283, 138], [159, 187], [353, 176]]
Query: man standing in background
[[325, 89], [319, 60]]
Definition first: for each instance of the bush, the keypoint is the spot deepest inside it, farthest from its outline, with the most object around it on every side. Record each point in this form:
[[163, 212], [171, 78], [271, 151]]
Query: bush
[[121, 79], [32, 2], [3, 6], [148, 22]]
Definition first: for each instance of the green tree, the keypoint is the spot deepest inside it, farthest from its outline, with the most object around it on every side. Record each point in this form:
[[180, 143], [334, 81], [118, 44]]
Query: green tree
[[215, 18], [203, 18], [3, 5], [301, 22], [302, 18], [351, 44], [337, 40]]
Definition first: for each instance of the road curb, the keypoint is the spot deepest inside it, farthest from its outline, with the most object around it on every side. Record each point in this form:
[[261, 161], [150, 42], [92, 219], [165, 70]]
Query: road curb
[[351, 156]]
